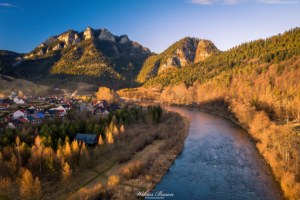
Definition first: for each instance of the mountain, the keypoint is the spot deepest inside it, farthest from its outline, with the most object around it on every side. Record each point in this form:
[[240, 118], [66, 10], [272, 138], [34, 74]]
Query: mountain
[[94, 56], [182, 53], [273, 50]]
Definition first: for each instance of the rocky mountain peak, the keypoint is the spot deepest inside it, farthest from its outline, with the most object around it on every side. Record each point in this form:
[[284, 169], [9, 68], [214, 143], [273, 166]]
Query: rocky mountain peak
[[106, 35], [124, 39], [69, 37], [191, 50], [88, 33], [204, 50]]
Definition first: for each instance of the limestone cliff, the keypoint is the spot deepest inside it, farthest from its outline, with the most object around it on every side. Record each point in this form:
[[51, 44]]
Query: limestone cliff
[[124, 40], [204, 50], [106, 35], [69, 37], [188, 52], [88, 33], [182, 53]]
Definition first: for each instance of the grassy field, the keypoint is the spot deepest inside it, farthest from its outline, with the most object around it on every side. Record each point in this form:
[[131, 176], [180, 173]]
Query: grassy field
[[9, 84]]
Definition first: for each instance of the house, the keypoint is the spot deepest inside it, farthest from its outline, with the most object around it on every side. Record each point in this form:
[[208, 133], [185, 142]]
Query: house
[[18, 124], [37, 118], [103, 103], [19, 114], [32, 106], [89, 139], [16, 99], [31, 111], [39, 109], [10, 125], [40, 115], [113, 106], [2, 128], [105, 111], [4, 105], [23, 120], [21, 101], [31, 119], [8, 119], [25, 111], [61, 108]]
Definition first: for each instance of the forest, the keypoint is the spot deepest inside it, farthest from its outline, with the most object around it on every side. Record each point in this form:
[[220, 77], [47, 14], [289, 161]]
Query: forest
[[270, 50], [47, 153]]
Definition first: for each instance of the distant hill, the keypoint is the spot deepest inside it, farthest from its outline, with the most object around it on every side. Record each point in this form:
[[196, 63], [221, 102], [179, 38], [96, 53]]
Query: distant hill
[[182, 53], [93, 56], [275, 49]]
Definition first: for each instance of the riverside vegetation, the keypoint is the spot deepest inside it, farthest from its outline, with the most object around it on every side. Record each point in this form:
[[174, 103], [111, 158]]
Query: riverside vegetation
[[44, 161], [256, 84]]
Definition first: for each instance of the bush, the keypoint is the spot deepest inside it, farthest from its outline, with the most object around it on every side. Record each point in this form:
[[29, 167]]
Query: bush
[[133, 170], [113, 182]]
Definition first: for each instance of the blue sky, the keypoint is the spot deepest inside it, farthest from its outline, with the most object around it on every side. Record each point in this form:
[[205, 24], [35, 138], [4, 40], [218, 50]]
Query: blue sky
[[155, 24]]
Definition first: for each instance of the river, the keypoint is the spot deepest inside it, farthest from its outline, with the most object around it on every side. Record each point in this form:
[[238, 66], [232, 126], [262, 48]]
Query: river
[[218, 161]]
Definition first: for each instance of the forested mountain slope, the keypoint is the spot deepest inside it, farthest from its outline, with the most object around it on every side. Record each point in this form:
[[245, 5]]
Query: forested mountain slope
[[92, 56], [271, 50]]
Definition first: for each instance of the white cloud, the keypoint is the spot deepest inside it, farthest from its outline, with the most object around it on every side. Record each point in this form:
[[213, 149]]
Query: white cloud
[[5, 4], [210, 2]]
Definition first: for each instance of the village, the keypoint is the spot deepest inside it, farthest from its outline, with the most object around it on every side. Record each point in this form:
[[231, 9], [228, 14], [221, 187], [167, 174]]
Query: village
[[17, 111]]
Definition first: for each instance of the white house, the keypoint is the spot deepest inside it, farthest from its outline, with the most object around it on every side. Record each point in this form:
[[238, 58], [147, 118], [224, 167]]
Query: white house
[[20, 102], [18, 114], [10, 125], [60, 108], [16, 99]]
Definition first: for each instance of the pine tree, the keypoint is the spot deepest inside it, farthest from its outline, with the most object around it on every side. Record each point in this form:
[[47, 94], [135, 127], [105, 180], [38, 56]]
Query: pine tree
[[66, 171], [5, 185], [49, 166], [26, 186], [37, 190], [67, 151], [18, 146], [100, 142], [110, 138]]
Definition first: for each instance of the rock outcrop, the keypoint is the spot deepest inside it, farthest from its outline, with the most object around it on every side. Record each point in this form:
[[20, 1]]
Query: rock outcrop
[[49, 41], [42, 52], [189, 52], [88, 33], [204, 50], [58, 46], [106, 35], [124, 40], [77, 39], [68, 38]]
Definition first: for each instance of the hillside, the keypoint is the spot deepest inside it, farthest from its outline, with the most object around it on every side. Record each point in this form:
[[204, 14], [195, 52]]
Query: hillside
[[182, 53], [91, 56], [255, 84], [9, 84], [271, 50]]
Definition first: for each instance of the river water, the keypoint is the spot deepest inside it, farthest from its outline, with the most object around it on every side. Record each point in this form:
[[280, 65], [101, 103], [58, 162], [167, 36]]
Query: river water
[[218, 161]]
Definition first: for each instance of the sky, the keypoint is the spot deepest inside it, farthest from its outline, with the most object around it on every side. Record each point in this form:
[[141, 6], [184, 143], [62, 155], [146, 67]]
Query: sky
[[156, 24]]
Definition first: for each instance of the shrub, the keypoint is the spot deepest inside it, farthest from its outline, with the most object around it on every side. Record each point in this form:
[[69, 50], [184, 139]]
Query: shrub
[[113, 182]]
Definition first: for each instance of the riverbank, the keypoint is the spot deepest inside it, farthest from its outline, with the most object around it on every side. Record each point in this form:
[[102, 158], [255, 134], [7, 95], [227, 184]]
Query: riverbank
[[153, 160], [223, 111]]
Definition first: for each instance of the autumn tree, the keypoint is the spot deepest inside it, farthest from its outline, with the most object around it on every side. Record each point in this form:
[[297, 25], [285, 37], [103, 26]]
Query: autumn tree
[[5, 185], [18, 146], [66, 171], [29, 187], [105, 93]]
